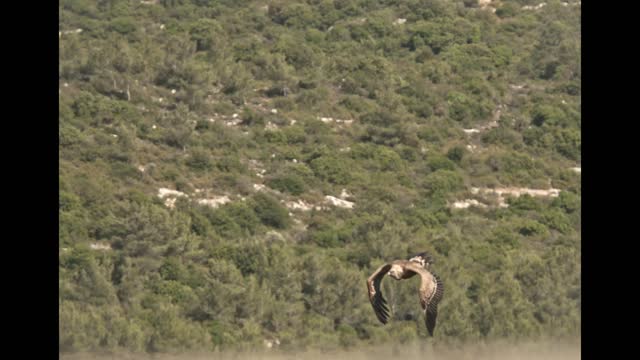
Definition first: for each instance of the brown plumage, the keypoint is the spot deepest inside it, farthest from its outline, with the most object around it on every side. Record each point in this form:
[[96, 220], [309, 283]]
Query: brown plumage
[[430, 292]]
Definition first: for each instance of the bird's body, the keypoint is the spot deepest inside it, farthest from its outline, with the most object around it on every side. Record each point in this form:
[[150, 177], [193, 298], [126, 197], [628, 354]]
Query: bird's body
[[430, 292], [399, 270]]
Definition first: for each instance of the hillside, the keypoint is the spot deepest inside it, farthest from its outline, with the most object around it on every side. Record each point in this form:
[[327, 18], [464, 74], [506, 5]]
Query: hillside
[[231, 171]]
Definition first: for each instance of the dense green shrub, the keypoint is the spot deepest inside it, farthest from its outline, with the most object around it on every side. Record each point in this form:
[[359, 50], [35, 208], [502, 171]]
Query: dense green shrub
[[269, 211], [332, 169], [290, 183]]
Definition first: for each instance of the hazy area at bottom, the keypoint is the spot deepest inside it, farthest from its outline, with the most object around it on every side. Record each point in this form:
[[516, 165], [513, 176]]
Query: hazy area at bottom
[[567, 350]]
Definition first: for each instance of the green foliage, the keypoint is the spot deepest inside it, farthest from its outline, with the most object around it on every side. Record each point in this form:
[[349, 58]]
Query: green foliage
[[123, 25], [438, 162], [524, 202], [441, 182], [247, 259], [331, 168], [464, 108], [532, 228], [548, 115], [568, 202], [199, 160], [289, 183], [507, 10], [456, 153], [269, 211], [231, 220], [557, 220], [438, 36]]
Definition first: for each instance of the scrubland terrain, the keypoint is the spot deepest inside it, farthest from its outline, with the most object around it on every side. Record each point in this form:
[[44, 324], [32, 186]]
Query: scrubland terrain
[[231, 172]]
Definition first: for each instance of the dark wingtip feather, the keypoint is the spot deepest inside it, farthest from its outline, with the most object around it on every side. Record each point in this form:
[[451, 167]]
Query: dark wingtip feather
[[380, 307], [430, 320]]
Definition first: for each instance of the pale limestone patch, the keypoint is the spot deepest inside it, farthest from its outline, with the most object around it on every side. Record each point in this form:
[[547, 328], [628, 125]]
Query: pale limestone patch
[[339, 202]]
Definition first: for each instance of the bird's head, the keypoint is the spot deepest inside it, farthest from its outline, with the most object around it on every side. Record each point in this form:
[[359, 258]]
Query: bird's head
[[395, 272], [424, 259]]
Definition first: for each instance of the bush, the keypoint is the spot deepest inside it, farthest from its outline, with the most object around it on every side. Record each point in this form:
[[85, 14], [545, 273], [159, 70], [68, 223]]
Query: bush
[[547, 115], [567, 201], [294, 134], [275, 137], [442, 182], [69, 136], [438, 162], [289, 183], [532, 228], [331, 168], [505, 236], [269, 211], [557, 220], [464, 108], [224, 224], [199, 160], [230, 164], [244, 216], [502, 136], [380, 118], [507, 10], [569, 143], [123, 25]]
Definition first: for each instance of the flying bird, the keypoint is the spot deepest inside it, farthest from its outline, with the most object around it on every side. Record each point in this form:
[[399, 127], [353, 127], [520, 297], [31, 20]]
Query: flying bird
[[430, 292]]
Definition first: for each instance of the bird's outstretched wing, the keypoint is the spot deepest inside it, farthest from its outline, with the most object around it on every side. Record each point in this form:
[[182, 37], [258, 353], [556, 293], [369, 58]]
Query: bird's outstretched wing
[[375, 295], [431, 292], [431, 312]]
